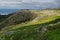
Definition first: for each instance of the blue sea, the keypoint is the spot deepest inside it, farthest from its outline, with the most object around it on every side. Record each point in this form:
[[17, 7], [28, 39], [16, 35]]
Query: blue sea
[[7, 11]]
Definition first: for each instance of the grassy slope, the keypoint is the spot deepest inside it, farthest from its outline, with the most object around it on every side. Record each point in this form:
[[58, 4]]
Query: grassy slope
[[53, 34], [33, 30]]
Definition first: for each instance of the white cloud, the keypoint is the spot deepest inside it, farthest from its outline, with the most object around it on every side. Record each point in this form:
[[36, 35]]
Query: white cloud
[[21, 3], [10, 1], [9, 4]]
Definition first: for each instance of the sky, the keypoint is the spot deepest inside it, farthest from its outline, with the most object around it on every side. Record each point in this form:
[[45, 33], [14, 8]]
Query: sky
[[25, 4]]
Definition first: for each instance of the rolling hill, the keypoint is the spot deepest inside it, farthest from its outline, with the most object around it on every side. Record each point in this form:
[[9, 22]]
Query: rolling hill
[[31, 25], [18, 17]]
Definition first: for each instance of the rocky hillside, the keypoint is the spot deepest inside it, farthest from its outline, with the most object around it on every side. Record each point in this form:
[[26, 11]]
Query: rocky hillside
[[18, 17]]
